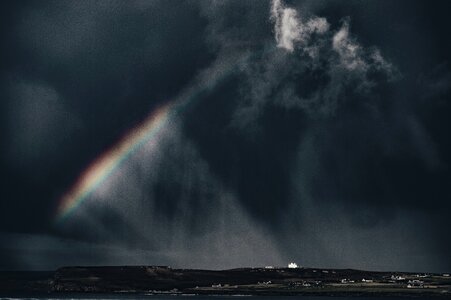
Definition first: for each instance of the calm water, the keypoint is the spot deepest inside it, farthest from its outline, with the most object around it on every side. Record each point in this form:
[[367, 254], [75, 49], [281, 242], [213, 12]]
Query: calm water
[[153, 297]]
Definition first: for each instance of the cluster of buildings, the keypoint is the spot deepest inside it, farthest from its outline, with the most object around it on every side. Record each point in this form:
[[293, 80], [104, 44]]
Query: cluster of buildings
[[415, 284], [291, 265]]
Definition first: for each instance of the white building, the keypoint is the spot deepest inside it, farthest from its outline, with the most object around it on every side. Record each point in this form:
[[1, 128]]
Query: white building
[[292, 265], [397, 277]]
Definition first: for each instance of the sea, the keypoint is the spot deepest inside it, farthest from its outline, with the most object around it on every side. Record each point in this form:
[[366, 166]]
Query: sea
[[194, 297]]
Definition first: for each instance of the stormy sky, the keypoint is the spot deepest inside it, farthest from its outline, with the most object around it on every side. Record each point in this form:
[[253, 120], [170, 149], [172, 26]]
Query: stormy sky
[[312, 131]]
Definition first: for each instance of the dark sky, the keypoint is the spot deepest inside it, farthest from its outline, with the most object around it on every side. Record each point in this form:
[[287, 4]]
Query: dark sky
[[312, 131]]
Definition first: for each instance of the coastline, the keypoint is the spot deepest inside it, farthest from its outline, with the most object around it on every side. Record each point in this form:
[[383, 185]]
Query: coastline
[[160, 280]]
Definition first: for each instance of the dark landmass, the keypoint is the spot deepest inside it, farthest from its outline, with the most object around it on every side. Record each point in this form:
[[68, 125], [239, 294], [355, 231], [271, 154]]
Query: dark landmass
[[244, 281]]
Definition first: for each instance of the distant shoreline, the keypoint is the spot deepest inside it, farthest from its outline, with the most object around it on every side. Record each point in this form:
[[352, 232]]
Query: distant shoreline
[[144, 281]]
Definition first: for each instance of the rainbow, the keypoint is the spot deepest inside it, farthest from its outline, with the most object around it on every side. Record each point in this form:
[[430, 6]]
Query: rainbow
[[105, 165]]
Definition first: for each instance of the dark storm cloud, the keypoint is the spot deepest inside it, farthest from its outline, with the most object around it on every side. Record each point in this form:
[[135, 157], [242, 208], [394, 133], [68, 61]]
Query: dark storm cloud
[[50, 252], [365, 150], [313, 72], [103, 66], [39, 127], [326, 143]]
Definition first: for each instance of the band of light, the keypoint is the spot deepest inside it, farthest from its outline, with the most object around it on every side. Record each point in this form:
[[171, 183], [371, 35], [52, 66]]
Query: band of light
[[104, 165], [151, 127]]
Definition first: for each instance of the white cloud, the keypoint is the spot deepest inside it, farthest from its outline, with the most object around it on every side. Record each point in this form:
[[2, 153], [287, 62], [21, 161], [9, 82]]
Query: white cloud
[[290, 28], [287, 27], [336, 57], [350, 53]]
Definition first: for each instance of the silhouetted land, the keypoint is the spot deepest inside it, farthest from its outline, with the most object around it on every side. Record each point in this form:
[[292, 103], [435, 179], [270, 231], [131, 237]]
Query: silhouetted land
[[244, 281]]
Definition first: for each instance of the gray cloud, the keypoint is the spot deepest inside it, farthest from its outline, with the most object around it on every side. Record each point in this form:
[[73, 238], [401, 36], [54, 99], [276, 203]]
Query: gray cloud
[[68, 30], [302, 138], [166, 199], [39, 252], [40, 126], [324, 71], [337, 222], [315, 69]]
